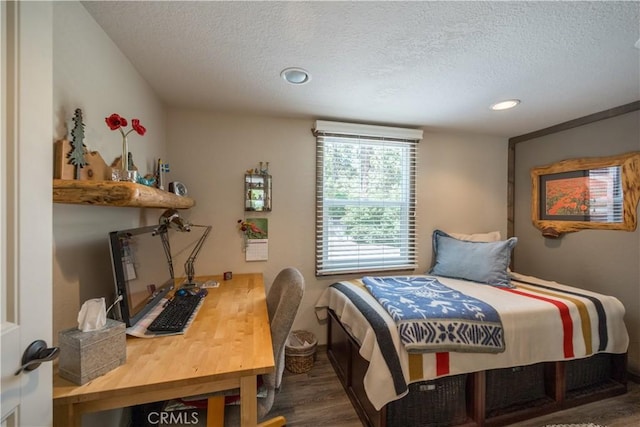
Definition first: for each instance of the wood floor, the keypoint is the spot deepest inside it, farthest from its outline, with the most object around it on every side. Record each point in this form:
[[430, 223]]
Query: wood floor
[[316, 398]]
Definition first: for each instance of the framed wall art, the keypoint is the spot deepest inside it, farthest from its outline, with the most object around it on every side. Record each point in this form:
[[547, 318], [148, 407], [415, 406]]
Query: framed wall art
[[586, 193]]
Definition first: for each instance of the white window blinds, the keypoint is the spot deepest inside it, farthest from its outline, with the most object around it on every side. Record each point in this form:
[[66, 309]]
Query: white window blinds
[[365, 198]]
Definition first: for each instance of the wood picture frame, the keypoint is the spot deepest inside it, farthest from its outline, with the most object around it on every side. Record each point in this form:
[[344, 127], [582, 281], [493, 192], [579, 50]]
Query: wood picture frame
[[587, 193]]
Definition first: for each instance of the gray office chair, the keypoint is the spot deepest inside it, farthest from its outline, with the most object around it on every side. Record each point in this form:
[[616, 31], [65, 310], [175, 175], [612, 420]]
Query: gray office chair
[[283, 300]]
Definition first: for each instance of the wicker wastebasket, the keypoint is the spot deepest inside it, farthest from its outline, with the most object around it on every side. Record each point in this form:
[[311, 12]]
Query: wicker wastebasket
[[299, 352]]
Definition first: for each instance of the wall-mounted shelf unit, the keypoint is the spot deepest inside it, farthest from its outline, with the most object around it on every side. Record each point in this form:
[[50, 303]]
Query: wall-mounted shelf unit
[[257, 190], [116, 193]]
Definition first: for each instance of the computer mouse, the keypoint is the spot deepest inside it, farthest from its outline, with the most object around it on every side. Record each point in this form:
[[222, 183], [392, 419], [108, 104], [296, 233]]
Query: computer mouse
[[182, 292], [202, 293]]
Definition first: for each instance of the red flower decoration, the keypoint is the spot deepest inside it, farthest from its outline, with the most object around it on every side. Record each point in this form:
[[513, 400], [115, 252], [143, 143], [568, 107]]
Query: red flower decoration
[[117, 122], [135, 124], [114, 121]]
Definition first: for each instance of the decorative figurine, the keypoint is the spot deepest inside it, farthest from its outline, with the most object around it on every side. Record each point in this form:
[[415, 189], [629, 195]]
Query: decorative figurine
[[162, 168], [149, 180], [76, 155], [264, 171]]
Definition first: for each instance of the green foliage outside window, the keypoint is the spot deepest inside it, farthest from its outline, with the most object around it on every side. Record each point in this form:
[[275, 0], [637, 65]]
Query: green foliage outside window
[[365, 186]]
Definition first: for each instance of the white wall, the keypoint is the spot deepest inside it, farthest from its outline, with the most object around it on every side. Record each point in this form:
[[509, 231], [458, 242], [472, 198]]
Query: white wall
[[462, 179], [90, 73], [462, 183]]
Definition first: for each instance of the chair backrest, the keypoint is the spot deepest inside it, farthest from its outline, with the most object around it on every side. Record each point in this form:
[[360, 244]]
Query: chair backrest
[[283, 300]]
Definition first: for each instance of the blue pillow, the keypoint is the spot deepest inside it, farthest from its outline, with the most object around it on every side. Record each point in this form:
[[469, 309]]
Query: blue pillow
[[484, 262]]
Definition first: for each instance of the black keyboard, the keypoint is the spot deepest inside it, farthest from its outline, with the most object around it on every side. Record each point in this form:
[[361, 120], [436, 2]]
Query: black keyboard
[[176, 314]]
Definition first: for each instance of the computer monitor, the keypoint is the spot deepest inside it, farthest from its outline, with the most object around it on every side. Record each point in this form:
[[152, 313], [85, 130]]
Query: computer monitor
[[142, 270]]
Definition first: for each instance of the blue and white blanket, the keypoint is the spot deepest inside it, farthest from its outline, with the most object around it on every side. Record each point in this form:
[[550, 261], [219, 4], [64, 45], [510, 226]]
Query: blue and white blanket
[[432, 317]]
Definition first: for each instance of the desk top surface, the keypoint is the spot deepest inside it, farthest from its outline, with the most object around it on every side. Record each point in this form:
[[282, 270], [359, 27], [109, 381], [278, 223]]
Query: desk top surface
[[230, 337]]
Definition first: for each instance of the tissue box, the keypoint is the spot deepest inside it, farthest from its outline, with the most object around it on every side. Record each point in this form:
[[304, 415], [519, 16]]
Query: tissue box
[[87, 355]]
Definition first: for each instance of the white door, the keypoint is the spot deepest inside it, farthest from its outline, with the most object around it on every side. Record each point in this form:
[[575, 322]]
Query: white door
[[26, 129]]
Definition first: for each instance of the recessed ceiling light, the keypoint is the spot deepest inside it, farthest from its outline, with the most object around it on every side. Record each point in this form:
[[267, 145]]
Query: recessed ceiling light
[[295, 76], [505, 105]]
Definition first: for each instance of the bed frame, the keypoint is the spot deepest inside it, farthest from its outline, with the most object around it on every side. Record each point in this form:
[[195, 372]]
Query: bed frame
[[477, 401]]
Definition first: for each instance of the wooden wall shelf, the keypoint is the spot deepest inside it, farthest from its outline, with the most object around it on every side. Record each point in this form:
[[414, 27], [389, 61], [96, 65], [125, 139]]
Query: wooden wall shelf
[[114, 193]]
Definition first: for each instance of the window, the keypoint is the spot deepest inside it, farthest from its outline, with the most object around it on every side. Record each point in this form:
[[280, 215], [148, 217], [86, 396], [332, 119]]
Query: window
[[365, 198]]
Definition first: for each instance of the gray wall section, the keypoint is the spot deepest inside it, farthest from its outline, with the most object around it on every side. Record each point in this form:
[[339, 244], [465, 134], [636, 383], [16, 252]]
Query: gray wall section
[[598, 260]]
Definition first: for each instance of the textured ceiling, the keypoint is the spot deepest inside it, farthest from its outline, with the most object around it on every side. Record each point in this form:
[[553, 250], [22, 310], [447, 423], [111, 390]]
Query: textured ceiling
[[437, 65]]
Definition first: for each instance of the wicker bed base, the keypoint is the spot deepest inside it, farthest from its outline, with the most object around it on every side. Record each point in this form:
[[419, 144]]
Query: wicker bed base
[[487, 398]]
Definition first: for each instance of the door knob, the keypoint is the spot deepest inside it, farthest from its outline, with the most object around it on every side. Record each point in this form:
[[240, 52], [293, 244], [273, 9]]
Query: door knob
[[36, 353]]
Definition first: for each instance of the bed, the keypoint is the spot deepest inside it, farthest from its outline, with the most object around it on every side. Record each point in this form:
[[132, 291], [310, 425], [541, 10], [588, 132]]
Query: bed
[[534, 347]]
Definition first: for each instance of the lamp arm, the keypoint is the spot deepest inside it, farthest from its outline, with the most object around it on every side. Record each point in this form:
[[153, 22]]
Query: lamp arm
[[188, 265], [163, 230], [167, 251]]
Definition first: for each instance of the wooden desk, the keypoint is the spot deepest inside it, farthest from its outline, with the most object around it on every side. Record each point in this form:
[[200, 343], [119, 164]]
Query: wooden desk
[[227, 346]]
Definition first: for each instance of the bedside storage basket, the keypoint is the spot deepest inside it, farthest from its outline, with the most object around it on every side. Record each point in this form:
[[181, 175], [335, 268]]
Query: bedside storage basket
[[589, 372], [434, 403], [504, 390], [299, 352]]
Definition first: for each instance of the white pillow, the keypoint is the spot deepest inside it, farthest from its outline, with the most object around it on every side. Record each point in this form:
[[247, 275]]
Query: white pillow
[[492, 236]]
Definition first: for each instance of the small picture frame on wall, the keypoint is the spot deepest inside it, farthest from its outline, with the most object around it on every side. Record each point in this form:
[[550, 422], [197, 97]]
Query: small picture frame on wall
[[586, 193]]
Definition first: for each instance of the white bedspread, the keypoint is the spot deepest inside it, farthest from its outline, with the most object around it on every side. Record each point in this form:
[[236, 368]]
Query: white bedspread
[[541, 324]]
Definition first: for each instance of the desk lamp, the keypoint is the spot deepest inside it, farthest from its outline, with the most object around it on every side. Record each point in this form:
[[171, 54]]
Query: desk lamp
[[172, 220]]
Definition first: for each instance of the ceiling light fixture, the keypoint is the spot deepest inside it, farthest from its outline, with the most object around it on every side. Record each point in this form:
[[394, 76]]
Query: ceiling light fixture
[[505, 105], [295, 76]]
